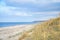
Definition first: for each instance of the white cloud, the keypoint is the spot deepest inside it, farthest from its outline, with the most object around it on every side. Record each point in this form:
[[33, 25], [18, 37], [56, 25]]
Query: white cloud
[[40, 16], [56, 0], [13, 12], [9, 10], [33, 1], [52, 12], [44, 18], [20, 14], [21, 0]]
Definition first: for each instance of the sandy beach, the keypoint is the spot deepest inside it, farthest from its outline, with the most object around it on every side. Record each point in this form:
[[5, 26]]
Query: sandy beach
[[13, 33]]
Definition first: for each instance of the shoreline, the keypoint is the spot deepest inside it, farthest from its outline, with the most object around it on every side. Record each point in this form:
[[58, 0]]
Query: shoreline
[[13, 31], [17, 26]]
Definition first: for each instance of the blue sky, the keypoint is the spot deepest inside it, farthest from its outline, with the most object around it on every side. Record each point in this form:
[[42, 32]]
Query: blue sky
[[28, 10]]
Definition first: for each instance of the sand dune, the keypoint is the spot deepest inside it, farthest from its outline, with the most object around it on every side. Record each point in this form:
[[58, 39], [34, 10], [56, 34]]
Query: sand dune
[[49, 30]]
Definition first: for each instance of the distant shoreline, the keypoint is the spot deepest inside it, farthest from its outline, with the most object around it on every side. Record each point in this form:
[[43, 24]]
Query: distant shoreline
[[8, 24]]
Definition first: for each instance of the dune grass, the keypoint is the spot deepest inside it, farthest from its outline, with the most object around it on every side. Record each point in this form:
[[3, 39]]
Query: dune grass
[[49, 30]]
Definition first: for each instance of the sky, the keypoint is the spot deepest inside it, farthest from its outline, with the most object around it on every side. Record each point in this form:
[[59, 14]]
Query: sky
[[28, 10]]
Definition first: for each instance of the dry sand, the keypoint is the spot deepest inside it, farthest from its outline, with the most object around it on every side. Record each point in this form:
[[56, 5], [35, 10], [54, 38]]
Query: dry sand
[[13, 33]]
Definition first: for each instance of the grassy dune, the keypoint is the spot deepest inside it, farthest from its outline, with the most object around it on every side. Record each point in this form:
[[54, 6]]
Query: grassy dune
[[49, 30]]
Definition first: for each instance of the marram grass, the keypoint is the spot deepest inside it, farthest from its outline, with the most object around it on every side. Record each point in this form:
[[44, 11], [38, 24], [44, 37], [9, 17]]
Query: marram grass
[[49, 30]]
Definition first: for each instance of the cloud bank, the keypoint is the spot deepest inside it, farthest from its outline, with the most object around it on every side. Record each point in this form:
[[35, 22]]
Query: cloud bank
[[28, 10]]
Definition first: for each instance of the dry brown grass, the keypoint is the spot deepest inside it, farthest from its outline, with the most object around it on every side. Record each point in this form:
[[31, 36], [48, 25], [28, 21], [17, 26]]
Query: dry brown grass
[[49, 30]]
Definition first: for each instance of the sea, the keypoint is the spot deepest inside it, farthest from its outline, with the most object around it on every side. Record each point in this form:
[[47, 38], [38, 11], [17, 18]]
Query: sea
[[7, 24]]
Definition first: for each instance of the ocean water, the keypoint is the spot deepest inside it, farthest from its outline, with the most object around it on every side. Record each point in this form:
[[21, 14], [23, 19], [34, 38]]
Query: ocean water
[[6, 24]]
